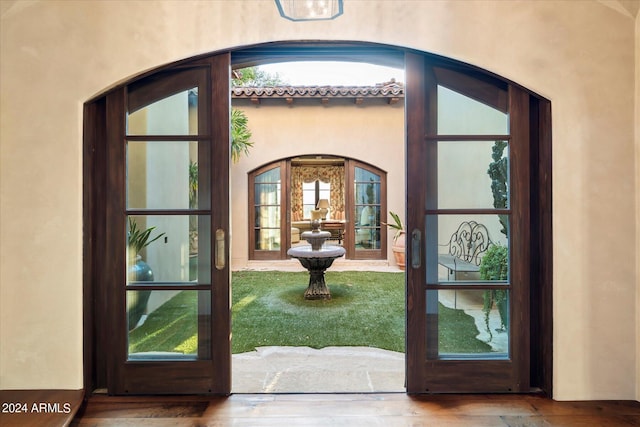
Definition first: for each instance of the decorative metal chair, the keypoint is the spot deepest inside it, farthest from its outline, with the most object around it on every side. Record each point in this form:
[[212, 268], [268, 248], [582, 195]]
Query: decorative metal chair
[[469, 242], [465, 250]]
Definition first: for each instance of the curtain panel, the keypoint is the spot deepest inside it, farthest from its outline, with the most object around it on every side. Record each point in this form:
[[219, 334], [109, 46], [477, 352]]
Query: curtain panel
[[334, 175]]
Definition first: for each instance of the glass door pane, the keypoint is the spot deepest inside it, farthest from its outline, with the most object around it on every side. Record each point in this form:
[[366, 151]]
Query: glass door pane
[[168, 246], [165, 174], [472, 324], [176, 249], [176, 114], [367, 212], [267, 208], [460, 114], [467, 231], [473, 174], [468, 247], [169, 327]]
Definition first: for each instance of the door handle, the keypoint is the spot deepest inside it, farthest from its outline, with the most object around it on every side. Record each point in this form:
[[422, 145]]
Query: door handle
[[416, 248], [220, 255]]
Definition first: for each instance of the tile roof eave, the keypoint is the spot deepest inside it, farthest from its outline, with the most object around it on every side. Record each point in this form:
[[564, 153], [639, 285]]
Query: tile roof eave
[[274, 92]]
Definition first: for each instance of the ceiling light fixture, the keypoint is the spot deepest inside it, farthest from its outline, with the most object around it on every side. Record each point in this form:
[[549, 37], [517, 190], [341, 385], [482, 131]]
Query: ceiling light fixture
[[309, 10]]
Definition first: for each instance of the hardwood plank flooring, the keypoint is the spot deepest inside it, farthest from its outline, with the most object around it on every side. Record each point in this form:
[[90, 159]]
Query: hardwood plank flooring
[[388, 410]]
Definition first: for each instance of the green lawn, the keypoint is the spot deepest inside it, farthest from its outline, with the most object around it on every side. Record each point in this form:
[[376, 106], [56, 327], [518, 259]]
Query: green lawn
[[366, 309]]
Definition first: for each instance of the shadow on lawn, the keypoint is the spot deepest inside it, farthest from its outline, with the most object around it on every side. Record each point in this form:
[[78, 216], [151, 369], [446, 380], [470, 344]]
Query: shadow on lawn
[[268, 309]]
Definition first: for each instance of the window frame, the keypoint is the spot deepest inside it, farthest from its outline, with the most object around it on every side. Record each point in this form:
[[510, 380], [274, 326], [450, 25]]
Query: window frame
[[285, 215], [350, 181]]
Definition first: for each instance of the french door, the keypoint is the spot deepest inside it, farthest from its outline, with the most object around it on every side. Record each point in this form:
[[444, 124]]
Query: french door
[[468, 237], [167, 233], [478, 221]]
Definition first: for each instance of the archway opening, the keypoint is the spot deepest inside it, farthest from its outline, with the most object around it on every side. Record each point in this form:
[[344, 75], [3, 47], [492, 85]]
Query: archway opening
[[106, 116]]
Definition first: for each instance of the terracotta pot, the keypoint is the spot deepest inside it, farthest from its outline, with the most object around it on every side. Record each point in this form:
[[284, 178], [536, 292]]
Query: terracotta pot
[[398, 249]]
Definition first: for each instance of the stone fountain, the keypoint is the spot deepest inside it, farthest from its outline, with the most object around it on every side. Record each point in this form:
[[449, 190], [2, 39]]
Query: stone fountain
[[316, 258]]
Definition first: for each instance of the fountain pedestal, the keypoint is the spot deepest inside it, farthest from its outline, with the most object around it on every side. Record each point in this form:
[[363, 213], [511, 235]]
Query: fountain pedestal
[[316, 258]]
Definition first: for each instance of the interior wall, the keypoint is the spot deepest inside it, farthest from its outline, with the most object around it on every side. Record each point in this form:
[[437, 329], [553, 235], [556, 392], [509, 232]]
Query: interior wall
[[637, 143], [56, 55]]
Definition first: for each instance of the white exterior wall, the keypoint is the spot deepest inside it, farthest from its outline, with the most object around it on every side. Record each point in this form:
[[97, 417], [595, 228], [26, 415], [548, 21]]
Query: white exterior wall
[[581, 55]]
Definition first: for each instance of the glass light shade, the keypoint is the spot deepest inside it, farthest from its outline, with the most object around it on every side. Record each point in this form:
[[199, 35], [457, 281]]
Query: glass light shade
[[309, 10]]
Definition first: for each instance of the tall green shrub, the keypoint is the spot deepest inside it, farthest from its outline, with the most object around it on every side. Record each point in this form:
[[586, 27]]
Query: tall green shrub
[[494, 267], [498, 172]]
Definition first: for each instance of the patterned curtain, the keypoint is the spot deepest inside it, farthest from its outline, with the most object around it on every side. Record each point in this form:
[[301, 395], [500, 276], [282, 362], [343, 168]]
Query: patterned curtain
[[334, 175]]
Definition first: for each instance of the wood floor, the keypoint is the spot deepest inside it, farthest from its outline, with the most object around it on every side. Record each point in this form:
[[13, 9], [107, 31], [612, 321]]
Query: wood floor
[[388, 410]]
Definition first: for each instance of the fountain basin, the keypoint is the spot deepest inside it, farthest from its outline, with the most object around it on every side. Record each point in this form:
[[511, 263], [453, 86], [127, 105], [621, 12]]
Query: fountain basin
[[309, 252], [316, 261], [315, 238]]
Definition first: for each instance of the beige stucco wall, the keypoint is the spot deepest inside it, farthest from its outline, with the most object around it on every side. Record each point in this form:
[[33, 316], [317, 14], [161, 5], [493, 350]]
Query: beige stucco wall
[[340, 128], [580, 54], [637, 144]]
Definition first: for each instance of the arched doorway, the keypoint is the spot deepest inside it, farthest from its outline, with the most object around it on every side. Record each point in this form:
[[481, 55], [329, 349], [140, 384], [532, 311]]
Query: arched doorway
[[525, 290], [356, 193]]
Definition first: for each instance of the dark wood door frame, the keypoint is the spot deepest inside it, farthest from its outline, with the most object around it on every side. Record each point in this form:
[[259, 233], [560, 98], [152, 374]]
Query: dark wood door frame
[[95, 127], [529, 365], [107, 365]]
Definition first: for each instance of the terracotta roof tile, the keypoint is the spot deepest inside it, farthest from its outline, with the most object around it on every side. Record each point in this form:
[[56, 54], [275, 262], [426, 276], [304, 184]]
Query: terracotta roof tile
[[391, 89]]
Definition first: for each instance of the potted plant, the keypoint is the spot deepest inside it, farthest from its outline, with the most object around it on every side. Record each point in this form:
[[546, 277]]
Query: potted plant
[[399, 239], [138, 270]]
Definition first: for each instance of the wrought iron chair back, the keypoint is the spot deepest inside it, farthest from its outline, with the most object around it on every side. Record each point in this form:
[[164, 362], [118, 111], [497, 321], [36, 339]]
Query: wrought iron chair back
[[469, 242]]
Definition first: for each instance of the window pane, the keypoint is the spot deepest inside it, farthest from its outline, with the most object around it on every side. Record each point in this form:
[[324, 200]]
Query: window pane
[[368, 216], [267, 239], [267, 210], [267, 194], [363, 175], [470, 323], [174, 115], [164, 175], [180, 254], [367, 209], [367, 227], [308, 198], [460, 115], [267, 216], [367, 194], [367, 238], [470, 248], [270, 176], [325, 190], [311, 197], [163, 325], [473, 174]]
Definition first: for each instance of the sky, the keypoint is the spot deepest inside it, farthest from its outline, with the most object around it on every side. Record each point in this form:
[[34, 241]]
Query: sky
[[333, 73]]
